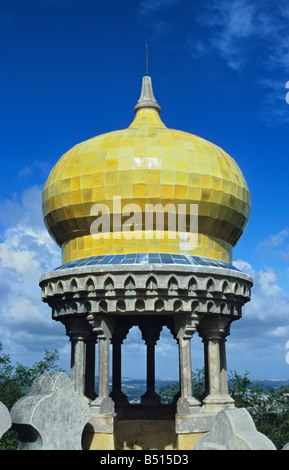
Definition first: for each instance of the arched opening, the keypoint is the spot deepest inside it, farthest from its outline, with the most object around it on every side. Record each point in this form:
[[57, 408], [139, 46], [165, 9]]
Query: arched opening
[[133, 367], [198, 367], [166, 366]]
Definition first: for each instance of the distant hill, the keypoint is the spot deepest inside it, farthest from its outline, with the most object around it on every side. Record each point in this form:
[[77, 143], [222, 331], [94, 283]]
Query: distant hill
[[135, 388], [269, 383]]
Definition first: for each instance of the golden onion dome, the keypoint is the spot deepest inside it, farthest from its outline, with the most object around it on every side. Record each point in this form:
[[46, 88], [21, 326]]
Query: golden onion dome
[[147, 166]]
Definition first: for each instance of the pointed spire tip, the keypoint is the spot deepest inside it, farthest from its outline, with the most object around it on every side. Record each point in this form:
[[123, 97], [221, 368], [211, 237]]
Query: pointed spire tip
[[147, 99]]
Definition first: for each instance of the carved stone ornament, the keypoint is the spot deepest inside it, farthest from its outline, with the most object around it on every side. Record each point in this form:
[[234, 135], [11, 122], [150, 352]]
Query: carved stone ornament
[[145, 290]]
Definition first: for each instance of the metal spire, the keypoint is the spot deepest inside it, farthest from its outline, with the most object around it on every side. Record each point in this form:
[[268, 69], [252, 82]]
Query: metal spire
[[147, 99]]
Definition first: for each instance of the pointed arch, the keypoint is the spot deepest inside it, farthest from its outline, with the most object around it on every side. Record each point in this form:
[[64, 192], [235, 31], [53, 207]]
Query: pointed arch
[[193, 285], [59, 287], [210, 285], [151, 283], [173, 284], [90, 286], [108, 284], [225, 287], [73, 285], [129, 283]]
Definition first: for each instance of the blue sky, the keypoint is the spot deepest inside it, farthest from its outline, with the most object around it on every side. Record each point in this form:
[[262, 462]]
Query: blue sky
[[72, 69]]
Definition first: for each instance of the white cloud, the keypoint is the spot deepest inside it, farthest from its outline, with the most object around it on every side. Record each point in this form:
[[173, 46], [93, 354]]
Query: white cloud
[[238, 29], [230, 23], [23, 311], [267, 314], [277, 245], [244, 32], [257, 342], [26, 252], [275, 240], [24, 208]]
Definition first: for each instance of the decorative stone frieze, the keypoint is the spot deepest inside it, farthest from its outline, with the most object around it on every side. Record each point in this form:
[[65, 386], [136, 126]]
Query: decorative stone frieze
[[157, 289]]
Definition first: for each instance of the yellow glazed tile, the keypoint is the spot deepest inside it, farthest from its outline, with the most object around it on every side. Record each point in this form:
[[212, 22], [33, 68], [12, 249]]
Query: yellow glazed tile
[[125, 164], [153, 176], [147, 163], [139, 190], [154, 191], [168, 176], [111, 178]]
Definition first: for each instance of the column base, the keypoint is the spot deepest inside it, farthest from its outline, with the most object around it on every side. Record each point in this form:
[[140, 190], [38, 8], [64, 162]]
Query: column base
[[102, 424], [102, 405], [188, 406], [102, 415], [217, 403]]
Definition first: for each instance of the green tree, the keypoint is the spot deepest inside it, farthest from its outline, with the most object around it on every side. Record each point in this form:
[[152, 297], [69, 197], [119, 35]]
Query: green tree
[[16, 381], [269, 407]]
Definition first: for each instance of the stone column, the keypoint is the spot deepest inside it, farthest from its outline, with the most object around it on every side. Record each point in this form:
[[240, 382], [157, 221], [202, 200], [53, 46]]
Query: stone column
[[185, 327], [90, 367], [117, 395], [223, 370], [150, 334], [77, 333], [213, 332], [103, 327], [103, 369]]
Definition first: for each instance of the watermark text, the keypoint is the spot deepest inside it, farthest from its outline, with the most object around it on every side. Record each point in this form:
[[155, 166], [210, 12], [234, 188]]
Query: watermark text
[[156, 221]]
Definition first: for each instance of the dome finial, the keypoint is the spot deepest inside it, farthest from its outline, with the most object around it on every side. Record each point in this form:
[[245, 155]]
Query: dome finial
[[147, 99]]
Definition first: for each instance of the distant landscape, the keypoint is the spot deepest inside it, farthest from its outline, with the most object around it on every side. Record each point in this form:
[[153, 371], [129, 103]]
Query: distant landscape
[[135, 388]]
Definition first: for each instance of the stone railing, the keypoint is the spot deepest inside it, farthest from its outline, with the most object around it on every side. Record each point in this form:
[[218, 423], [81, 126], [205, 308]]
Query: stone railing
[[52, 417]]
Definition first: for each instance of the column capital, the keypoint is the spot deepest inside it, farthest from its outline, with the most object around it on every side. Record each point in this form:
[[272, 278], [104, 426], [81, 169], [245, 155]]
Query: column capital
[[216, 328], [150, 333], [76, 329], [102, 326], [185, 326], [119, 334]]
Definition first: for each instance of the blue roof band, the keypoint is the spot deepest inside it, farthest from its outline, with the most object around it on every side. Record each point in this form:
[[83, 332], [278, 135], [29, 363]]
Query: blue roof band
[[146, 258]]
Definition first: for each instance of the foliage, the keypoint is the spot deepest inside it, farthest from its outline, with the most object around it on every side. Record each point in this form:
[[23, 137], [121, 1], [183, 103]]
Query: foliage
[[269, 407], [15, 382], [168, 393]]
